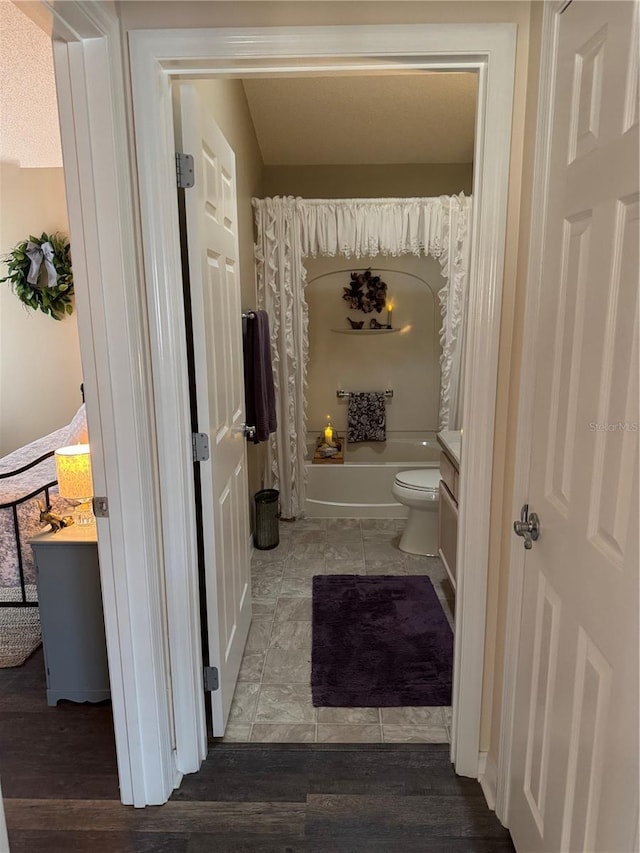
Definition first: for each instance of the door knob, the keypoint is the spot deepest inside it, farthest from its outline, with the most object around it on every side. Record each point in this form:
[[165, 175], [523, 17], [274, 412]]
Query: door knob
[[528, 527], [249, 432]]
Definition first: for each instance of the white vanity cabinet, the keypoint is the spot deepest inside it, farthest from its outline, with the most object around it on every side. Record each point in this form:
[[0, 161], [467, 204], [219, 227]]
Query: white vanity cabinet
[[448, 504]]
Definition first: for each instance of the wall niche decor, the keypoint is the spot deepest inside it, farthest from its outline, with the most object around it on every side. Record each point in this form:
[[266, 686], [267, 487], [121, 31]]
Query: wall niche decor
[[366, 292]]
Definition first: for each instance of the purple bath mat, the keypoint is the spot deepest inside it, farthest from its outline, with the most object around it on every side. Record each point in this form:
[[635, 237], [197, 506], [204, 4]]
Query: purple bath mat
[[379, 642]]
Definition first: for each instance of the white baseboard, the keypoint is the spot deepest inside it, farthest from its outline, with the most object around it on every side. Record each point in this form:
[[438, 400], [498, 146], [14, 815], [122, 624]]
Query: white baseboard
[[482, 763], [488, 778], [177, 781]]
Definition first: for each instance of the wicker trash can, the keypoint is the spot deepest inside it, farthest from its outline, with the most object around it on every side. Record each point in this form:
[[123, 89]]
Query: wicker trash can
[[266, 534]]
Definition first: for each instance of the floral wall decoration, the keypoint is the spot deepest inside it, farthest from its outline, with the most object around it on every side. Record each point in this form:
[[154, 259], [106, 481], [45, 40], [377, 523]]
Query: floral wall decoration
[[39, 272], [366, 292]]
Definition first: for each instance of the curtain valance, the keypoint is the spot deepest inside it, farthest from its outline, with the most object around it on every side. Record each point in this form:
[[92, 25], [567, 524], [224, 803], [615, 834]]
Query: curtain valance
[[368, 227]]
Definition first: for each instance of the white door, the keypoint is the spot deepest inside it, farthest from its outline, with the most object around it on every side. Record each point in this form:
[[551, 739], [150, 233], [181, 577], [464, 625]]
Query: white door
[[574, 784], [212, 238]]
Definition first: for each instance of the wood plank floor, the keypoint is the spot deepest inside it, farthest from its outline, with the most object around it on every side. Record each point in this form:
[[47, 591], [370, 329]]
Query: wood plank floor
[[61, 794]]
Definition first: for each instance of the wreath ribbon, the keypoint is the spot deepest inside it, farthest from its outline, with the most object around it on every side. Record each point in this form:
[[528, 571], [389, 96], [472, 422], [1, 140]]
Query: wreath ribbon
[[37, 254]]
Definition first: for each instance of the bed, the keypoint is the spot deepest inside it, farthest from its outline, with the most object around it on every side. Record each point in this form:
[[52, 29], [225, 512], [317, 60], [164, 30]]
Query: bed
[[28, 475]]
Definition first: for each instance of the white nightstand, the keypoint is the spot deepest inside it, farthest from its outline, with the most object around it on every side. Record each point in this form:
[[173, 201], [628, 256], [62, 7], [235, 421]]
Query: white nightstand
[[70, 596]]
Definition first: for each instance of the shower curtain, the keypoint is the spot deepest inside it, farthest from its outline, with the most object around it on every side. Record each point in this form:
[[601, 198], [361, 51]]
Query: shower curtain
[[290, 229]]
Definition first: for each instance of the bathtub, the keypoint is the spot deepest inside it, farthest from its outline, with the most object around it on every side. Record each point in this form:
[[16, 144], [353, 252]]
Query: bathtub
[[361, 487]]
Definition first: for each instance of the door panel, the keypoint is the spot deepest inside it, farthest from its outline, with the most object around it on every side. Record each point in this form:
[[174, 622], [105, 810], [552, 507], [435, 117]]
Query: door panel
[[448, 532], [574, 783], [212, 239]]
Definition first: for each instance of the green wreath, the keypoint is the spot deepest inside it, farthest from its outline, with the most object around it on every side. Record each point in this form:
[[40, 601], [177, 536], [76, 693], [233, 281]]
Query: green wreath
[[40, 274]]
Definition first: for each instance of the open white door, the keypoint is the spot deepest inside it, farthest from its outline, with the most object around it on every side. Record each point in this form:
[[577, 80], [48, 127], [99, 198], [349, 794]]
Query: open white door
[[574, 782], [212, 238]]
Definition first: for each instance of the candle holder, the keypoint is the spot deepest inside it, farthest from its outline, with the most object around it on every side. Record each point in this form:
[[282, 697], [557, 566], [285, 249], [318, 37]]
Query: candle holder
[[328, 453]]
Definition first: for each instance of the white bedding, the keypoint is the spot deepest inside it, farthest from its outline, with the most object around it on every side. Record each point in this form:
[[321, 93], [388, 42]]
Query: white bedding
[[13, 488]]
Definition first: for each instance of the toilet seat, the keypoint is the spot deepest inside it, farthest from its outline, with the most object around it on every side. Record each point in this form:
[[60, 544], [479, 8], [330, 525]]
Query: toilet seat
[[420, 479]]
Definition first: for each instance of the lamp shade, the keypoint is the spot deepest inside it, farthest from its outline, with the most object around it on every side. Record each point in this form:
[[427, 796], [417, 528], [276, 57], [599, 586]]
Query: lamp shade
[[73, 470]]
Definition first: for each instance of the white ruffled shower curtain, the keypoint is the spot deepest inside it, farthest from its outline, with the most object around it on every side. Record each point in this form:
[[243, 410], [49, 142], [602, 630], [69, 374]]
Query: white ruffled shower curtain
[[290, 229]]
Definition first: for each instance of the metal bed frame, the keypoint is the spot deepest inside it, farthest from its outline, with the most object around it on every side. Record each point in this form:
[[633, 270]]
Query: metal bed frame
[[13, 506]]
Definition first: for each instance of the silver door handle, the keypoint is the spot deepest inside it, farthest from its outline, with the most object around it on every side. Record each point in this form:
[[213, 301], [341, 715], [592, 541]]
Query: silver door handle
[[248, 432], [528, 527]]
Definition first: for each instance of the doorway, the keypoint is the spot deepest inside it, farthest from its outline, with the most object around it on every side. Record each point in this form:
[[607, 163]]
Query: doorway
[[53, 656], [213, 115], [153, 122]]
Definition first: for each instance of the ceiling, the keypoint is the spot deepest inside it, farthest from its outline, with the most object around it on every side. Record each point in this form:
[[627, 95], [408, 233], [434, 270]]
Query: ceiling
[[421, 117], [410, 117], [29, 131]]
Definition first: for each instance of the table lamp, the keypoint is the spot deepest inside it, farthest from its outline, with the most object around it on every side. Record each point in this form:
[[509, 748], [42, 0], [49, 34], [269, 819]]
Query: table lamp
[[73, 469]]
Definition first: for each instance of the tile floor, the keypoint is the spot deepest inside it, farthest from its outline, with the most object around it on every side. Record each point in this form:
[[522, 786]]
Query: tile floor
[[272, 702]]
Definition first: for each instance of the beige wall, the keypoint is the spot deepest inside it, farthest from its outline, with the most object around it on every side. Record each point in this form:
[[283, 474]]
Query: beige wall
[[220, 14], [401, 362], [399, 181], [228, 105], [40, 370], [407, 361]]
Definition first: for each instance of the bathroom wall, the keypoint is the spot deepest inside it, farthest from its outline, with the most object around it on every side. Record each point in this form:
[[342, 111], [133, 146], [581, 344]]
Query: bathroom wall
[[371, 181], [406, 361]]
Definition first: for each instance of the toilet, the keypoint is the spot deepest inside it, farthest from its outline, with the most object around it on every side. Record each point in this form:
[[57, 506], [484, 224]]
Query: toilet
[[419, 491]]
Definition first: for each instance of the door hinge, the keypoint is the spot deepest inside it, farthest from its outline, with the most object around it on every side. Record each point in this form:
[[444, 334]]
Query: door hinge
[[184, 170], [100, 507], [211, 680], [200, 445]]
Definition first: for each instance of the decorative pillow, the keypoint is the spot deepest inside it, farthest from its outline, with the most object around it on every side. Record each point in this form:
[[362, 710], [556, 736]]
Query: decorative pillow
[[78, 433]]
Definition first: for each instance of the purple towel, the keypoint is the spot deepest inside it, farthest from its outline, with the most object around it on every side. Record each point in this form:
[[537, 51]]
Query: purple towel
[[259, 390]]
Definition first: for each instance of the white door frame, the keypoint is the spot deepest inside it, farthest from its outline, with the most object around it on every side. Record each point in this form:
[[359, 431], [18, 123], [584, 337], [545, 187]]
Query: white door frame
[[524, 431], [157, 55], [134, 353], [118, 385]]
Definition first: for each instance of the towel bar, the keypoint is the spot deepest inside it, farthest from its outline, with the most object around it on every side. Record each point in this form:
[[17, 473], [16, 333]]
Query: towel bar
[[341, 393]]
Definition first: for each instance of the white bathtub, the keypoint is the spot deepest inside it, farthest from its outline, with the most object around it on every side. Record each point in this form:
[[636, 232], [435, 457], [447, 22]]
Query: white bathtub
[[361, 487]]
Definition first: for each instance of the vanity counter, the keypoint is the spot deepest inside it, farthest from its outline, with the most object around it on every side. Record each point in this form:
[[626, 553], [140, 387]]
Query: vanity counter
[[451, 442]]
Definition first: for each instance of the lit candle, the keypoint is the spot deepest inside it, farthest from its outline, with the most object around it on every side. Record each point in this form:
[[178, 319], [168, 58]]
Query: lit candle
[[328, 433], [389, 310]]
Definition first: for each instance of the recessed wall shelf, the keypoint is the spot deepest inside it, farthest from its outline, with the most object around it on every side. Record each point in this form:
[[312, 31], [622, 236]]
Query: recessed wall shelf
[[365, 331]]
